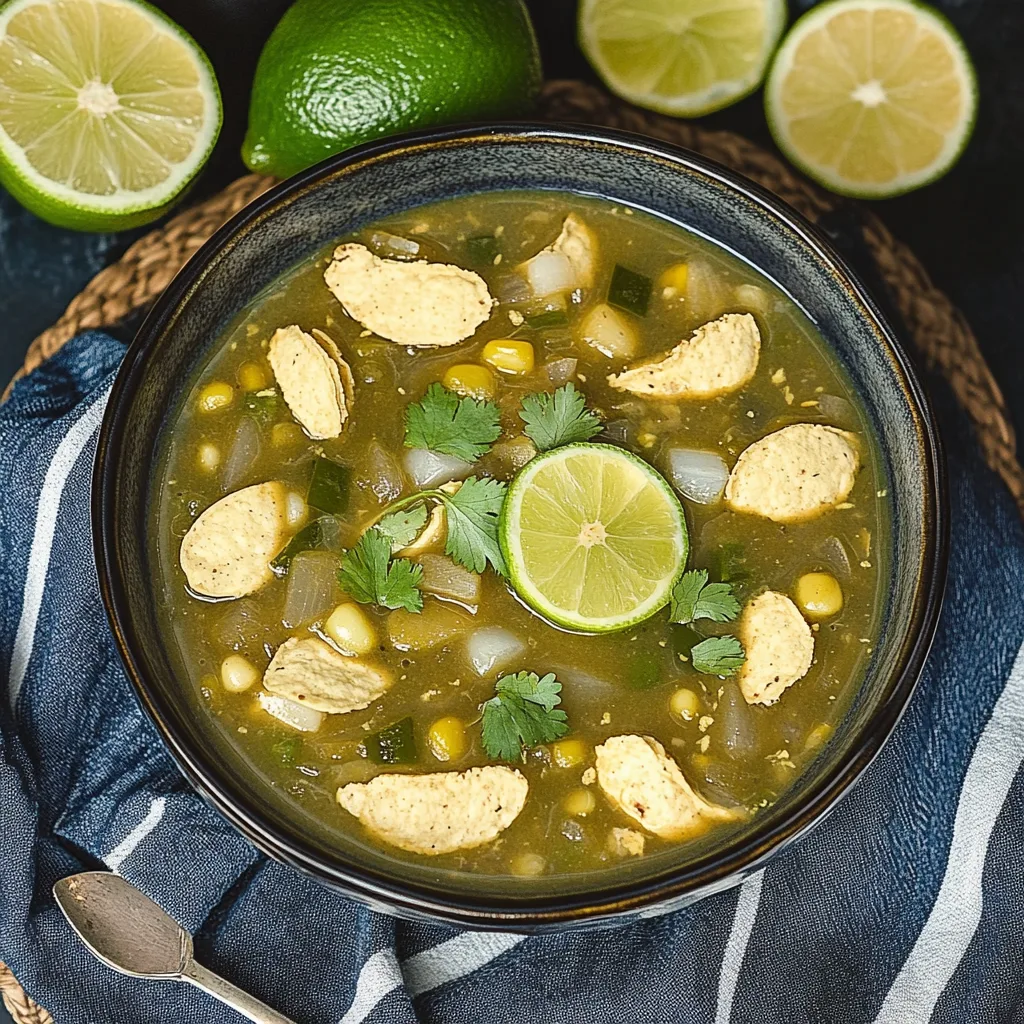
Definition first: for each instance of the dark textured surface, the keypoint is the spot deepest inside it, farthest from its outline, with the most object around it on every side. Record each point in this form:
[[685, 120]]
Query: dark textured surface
[[968, 228]]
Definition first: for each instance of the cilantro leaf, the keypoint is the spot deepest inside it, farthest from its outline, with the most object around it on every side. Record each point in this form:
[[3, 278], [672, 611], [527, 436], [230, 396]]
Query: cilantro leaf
[[401, 587], [718, 656], [370, 575], [404, 526], [461, 427], [561, 418], [523, 713], [694, 598], [472, 513]]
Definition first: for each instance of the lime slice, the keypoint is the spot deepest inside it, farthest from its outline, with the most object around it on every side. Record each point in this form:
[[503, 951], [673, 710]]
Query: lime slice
[[872, 98], [683, 57], [594, 538], [107, 110]]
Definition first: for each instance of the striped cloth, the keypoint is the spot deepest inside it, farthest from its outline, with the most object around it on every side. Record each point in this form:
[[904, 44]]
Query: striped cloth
[[905, 907]]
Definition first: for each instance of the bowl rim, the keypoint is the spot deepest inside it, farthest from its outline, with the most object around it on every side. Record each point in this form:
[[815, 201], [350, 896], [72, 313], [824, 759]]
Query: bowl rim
[[387, 891]]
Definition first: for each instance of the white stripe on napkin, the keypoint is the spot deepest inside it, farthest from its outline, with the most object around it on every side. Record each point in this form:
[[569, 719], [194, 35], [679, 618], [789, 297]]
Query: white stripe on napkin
[[736, 947], [57, 474], [124, 849], [379, 976], [957, 911], [447, 961]]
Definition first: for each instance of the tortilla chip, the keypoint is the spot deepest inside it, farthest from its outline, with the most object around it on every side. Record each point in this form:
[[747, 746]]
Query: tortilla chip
[[228, 550]]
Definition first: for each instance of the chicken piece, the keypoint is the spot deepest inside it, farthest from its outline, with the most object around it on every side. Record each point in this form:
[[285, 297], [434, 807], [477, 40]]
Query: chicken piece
[[716, 359], [315, 382], [228, 550], [438, 813], [642, 781], [779, 646], [418, 304], [796, 473], [313, 674]]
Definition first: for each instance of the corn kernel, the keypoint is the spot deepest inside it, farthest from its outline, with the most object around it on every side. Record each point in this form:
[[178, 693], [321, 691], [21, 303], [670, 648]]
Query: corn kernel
[[509, 356], [675, 277], [528, 864], [286, 435], [684, 704], [580, 802], [470, 380], [819, 595], [446, 739], [217, 395], [208, 457], [567, 753], [238, 673], [252, 377], [351, 630]]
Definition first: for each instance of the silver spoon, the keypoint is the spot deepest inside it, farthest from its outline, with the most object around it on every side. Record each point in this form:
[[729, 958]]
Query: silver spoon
[[125, 929]]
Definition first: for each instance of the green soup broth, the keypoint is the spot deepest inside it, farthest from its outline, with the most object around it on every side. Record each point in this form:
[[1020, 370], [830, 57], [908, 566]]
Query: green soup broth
[[732, 753]]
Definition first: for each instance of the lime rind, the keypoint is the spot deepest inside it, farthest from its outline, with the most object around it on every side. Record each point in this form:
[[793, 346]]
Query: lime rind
[[59, 204], [644, 556], [721, 94], [782, 63]]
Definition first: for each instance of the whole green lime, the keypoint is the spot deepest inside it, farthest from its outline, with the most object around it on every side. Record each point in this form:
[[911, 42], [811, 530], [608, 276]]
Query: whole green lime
[[335, 73]]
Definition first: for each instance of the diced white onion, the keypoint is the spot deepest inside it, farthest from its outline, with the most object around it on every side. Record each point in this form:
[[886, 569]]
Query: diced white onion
[[383, 474], [549, 273], [561, 370], [608, 330], [493, 648], [837, 410], [699, 476], [298, 716], [429, 469], [444, 577], [384, 240], [245, 448], [310, 595], [295, 509]]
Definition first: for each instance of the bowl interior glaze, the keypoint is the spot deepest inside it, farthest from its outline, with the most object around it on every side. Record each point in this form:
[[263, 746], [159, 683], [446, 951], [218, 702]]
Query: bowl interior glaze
[[304, 214]]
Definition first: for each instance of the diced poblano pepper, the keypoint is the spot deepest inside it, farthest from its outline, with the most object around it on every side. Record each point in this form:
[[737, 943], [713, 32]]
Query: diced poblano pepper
[[394, 744], [629, 290]]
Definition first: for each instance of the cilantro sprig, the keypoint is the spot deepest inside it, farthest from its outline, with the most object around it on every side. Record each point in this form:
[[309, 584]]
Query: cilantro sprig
[[561, 418], [718, 656], [523, 713], [473, 512], [463, 428], [694, 598], [370, 575]]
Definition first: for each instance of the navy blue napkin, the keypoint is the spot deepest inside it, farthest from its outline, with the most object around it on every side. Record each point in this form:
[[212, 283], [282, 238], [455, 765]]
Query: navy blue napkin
[[905, 907]]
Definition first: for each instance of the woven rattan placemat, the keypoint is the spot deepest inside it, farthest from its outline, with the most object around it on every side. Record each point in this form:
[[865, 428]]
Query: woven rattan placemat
[[935, 327]]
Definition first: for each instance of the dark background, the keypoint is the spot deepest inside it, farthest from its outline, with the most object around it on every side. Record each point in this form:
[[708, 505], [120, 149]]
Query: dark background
[[968, 229]]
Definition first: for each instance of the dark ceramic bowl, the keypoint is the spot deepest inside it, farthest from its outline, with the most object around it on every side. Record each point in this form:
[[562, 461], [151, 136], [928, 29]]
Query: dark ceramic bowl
[[303, 215]]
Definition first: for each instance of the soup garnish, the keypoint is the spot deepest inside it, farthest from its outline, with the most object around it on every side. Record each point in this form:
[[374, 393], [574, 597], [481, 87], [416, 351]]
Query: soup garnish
[[524, 532]]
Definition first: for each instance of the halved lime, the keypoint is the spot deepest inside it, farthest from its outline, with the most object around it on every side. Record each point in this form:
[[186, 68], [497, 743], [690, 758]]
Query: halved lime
[[107, 110], [682, 57], [872, 98], [594, 537]]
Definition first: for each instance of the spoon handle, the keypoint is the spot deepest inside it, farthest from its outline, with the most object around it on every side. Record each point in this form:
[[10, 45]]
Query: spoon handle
[[248, 1006]]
